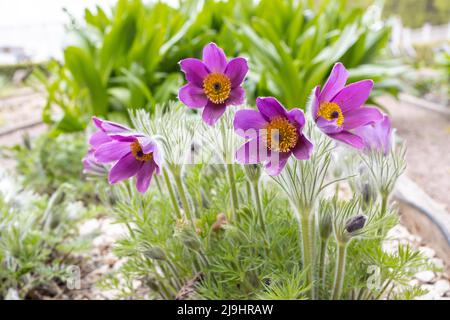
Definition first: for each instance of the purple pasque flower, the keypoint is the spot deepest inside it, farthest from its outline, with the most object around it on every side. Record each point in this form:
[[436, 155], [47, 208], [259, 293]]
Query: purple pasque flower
[[274, 135], [90, 165], [377, 136], [105, 128], [338, 109], [132, 154], [214, 83]]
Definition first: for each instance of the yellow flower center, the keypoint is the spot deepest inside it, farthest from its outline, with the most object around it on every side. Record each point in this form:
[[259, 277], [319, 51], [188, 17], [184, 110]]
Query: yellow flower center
[[280, 135], [331, 111], [217, 87], [137, 152]]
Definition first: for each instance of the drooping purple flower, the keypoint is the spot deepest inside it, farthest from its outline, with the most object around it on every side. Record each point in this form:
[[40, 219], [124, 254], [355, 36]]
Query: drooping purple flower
[[213, 83], [338, 109], [90, 165], [377, 136], [132, 154], [274, 135]]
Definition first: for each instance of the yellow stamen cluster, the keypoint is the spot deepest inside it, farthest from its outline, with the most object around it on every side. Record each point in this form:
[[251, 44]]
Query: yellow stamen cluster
[[138, 154], [331, 111], [280, 135], [217, 87]]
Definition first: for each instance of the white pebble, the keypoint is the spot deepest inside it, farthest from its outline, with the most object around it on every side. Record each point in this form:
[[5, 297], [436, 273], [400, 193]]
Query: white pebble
[[425, 276], [442, 286]]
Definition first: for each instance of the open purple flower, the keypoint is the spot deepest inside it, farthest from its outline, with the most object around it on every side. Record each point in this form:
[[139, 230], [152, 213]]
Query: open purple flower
[[133, 154], [337, 109], [105, 128], [274, 135], [213, 83], [377, 136]]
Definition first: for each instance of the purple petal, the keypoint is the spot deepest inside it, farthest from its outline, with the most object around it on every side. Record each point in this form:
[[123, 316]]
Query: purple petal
[[125, 168], [144, 176], [195, 71], [214, 58], [253, 151], [335, 82], [212, 112], [98, 139], [125, 137], [270, 108], [111, 151], [247, 123], [109, 126], [236, 70], [147, 144], [303, 149], [354, 95], [361, 117], [377, 136], [349, 138], [277, 162], [386, 134], [315, 102], [192, 96], [158, 158], [297, 117], [328, 126], [237, 97]]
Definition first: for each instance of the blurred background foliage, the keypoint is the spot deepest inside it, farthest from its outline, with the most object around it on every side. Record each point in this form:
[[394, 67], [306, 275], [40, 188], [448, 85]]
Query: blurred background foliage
[[129, 59], [415, 13]]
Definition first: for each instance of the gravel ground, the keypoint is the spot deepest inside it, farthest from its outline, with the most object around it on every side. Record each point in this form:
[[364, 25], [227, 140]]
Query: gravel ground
[[427, 135]]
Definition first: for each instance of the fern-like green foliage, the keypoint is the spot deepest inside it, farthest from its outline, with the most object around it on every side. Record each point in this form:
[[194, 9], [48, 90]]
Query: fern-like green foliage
[[37, 234]]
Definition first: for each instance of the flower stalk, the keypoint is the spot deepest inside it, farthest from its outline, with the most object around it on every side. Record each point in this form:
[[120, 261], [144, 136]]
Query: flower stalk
[[234, 196], [176, 172], [173, 199], [339, 273]]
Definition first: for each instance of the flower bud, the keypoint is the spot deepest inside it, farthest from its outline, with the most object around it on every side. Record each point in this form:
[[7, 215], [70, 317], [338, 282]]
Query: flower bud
[[190, 239], [355, 223], [369, 194], [253, 172], [325, 226], [155, 253]]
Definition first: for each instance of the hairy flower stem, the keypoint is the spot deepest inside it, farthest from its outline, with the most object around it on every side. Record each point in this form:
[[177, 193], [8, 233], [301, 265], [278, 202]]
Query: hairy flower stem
[[249, 191], [234, 197], [183, 195], [384, 202], [257, 201], [173, 199], [322, 265], [258, 204], [339, 273], [305, 226]]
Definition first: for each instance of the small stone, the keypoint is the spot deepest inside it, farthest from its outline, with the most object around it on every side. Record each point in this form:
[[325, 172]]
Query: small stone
[[427, 252], [103, 241], [442, 286], [437, 262], [12, 294], [414, 282], [425, 276], [110, 259], [89, 227]]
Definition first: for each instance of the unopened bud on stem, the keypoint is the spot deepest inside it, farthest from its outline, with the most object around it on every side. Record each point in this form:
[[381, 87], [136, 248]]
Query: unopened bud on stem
[[355, 223]]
